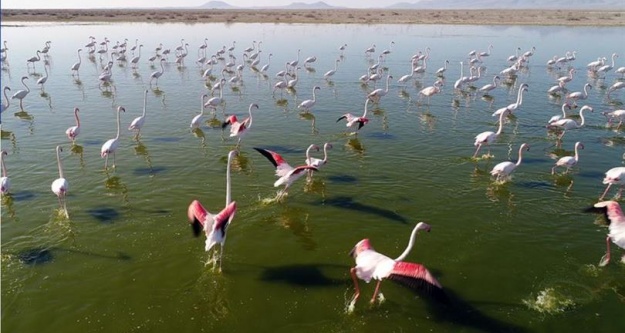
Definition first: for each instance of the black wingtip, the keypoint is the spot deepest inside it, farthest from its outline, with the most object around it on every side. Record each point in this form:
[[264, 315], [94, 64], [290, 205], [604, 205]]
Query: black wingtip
[[598, 210], [197, 228], [268, 155], [341, 118]]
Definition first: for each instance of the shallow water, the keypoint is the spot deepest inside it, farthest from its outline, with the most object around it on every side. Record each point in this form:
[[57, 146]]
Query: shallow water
[[514, 257]]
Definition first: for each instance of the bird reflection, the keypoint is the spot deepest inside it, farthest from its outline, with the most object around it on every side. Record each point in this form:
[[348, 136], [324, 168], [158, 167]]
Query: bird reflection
[[240, 162], [355, 145], [142, 150], [7, 205], [8, 135], [316, 185], [114, 186], [311, 117], [78, 150], [295, 220], [198, 133]]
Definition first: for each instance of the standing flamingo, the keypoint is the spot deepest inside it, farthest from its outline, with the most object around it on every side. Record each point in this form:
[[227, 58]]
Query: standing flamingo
[[431, 90], [616, 114], [214, 102], [559, 117], [614, 214], [240, 128], [377, 94], [286, 174], [579, 95], [5, 182], [157, 74], [441, 71], [316, 162], [42, 80], [20, 94], [557, 88], [568, 161], [135, 60], [615, 86], [606, 68], [503, 170], [214, 225], [110, 146], [309, 103], [5, 106], [491, 86], [567, 78], [60, 186], [567, 124], [73, 131], [196, 121], [352, 120], [519, 100], [331, 72], [371, 264], [33, 60], [138, 122], [488, 137], [76, 65], [614, 176]]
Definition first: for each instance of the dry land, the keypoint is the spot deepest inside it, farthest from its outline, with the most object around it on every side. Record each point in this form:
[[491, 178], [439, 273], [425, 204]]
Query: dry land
[[319, 16]]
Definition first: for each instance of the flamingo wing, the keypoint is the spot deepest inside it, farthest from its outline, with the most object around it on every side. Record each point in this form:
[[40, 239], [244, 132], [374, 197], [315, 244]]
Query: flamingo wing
[[417, 278], [611, 210], [282, 167], [197, 216], [223, 219]]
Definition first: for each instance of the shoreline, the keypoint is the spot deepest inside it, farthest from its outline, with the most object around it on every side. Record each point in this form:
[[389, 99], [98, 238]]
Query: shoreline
[[564, 17]]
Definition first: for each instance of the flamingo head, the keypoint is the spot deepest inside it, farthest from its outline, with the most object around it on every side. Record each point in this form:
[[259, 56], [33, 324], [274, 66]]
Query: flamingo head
[[327, 145], [423, 226], [361, 246]]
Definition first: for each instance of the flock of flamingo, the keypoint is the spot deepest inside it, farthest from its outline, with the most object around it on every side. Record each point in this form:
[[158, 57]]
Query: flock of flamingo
[[370, 265]]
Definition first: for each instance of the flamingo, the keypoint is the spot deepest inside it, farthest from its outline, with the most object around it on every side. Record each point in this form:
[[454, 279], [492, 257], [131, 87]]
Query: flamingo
[[266, 66], [110, 146], [42, 80], [441, 71], [514, 57], [404, 79], [491, 86], [138, 122], [33, 60], [316, 162], [558, 117], [620, 70], [214, 225], [519, 100], [593, 65], [615, 86], [612, 211], [60, 186], [5, 182], [616, 114], [240, 128], [76, 65], [20, 94], [568, 161], [291, 83], [377, 94], [488, 137], [309, 103], [135, 60], [390, 48], [578, 95], [5, 106], [195, 122], [431, 90], [371, 264], [214, 102], [458, 84], [557, 88], [352, 120], [73, 131], [606, 68], [567, 124], [309, 60], [503, 170], [370, 49], [614, 176], [331, 72], [295, 62], [286, 174], [282, 84], [487, 53], [567, 78], [158, 74]]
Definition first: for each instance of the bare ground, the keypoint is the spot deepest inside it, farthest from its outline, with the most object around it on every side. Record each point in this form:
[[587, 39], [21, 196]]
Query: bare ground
[[332, 16]]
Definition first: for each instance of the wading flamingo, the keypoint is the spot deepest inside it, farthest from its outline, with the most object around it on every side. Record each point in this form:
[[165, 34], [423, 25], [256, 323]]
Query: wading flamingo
[[372, 265], [615, 86], [110, 146], [558, 117], [5, 105], [76, 65], [491, 86], [614, 176], [514, 106], [214, 225], [488, 137], [5, 182], [157, 74], [503, 170], [578, 95], [196, 121], [317, 162], [309, 103], [73, 131], [33, 60], [616, 224], [568, 161], [138, 122], [431, 90], [377, 94], [240, 128], [567, 124], [286, 174], [613, 115], [331, 72], [20, 94], [352, 120], [60, 186], [42, 80]]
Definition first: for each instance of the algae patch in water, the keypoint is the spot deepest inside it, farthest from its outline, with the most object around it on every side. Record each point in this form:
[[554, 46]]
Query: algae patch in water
[[549, 301]]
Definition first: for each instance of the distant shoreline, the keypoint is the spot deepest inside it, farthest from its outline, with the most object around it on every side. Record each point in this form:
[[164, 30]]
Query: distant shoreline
[[596, 18]]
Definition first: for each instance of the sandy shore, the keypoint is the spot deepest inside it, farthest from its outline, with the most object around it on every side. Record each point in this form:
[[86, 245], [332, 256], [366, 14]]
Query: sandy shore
[[347, 16]]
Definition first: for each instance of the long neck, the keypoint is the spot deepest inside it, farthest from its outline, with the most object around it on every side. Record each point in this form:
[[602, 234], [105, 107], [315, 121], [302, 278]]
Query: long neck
[[249, 123], [325, 153], [500, 129], [58, 161], [586, 90], [77, 119], [118, 125], [388, 79], [576, 153], [581, 115], [24, 84], [364, 115], [314, 95], [564, 110], [4, 167], [202, 104], [520, 156], [163, 68], [145, 102], [79, 60], [519, 95], [461, 70], [6, 98], [228, 196], [413, 236]]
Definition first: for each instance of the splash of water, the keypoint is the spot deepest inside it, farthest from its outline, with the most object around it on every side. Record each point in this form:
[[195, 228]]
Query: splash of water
[[550, 301]]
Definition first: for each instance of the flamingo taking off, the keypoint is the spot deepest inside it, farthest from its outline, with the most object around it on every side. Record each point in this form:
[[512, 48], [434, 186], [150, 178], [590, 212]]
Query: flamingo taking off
[[371, 264], [352, 120], [503, 170], [214, 225], [239, 128], [286, 174], [73, 131], [614, 176], [568, 161], [60, 186], [110, 146], [614, 214], [5, 182]]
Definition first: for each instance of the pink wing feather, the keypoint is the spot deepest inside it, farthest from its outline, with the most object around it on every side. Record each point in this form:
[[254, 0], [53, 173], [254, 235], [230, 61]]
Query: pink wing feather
[[197, 215]]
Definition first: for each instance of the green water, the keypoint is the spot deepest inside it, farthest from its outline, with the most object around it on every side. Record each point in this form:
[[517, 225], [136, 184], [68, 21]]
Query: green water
[[521, 256]]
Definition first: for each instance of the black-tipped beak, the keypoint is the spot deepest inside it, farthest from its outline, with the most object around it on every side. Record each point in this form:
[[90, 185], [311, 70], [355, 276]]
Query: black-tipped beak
[[352, 252]]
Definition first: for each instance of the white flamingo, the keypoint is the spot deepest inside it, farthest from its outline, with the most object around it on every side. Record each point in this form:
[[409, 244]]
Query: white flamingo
[[579, 95], [606, 68], [5, 181], [558, 117], [491, 86], [73, 131], [613, 115], [33, 60], [4, 106], [567, 124], [568, 161], [309, 103], [196, 121], [60, 186], [76, 65], [138, 122], [514, 106], [21, 94], [612, 177], [615, 86], [503, 170], [377, 94], [157, 74], [42, 80], [317, 162], [110, 146], [441, 71], [331, 72], [488, 137]]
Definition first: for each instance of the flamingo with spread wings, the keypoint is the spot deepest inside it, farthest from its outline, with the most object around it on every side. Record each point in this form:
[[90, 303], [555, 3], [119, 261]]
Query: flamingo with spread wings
[[286, 173]]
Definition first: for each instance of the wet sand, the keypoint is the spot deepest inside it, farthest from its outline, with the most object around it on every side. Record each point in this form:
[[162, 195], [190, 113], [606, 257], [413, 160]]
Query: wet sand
[[325, 16]]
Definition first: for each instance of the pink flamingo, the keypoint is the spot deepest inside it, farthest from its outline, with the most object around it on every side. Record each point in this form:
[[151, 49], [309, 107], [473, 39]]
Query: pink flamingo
[[317, 162], [488, 137], [503, 170], [286, 173], [614, 176], [431, 90], [73, 131], [60, 186], [568, 161], [239, 128], [352, 120], [5, 182], [214, 225], [579, 95], [613, 115], [612, 210], [373, 265]]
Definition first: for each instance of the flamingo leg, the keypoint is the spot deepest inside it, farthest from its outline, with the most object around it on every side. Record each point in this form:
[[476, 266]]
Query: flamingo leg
[[605, 192], [355, 279], [113, 160], [477, 150], [376, 291], [221, 255], [106, 162], [65, 207], [606, 258]]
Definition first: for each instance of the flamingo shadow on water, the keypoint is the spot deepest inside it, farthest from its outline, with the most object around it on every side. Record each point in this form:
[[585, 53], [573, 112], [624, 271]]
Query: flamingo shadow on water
[[347, 202], [294, 219], [43, 255], [306, 275], [105, 215]]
